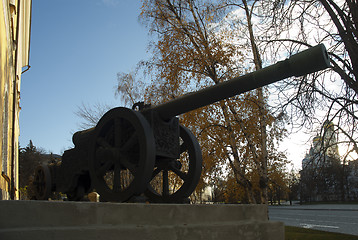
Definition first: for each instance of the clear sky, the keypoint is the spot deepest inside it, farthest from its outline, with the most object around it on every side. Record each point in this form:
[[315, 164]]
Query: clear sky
[[77, 48]]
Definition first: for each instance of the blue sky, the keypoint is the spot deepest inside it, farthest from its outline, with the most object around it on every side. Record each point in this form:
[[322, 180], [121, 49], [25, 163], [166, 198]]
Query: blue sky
[[77, 48]]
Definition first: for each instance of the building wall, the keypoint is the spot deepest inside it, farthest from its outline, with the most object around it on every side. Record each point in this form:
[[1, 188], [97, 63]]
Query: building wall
[[15, 20]]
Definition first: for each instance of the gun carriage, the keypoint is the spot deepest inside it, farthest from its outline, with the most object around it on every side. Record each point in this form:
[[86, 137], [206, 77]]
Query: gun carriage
[[140, 150]]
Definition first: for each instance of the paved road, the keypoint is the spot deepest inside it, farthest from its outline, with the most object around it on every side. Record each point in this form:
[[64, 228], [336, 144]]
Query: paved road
[[334, 218]]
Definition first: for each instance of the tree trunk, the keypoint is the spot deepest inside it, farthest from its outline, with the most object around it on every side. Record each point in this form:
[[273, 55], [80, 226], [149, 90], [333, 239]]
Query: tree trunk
[[262, 109]]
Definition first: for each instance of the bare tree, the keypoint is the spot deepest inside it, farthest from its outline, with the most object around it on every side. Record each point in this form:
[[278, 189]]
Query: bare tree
[[90, 115], [331, 95]]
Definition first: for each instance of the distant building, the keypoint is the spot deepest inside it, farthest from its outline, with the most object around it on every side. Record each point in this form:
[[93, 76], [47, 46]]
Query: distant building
[[321, 167], [15, 21], [323, 176], [324, 148]]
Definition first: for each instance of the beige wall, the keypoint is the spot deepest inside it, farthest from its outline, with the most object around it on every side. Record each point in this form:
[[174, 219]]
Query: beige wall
[[15, 20]]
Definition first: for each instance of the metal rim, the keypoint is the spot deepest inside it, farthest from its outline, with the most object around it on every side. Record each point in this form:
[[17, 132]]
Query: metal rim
[[122, 155], [186, 169]]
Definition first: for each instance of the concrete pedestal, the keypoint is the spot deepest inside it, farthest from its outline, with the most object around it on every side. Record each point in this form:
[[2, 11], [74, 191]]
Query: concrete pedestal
[[85, 220]]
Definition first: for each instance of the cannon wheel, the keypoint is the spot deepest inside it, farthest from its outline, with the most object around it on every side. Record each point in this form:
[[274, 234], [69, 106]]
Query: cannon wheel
[[122, 155], [43, 183], [173, 180]]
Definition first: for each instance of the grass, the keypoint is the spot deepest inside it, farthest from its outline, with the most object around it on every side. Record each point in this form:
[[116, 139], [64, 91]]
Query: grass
[[296, 233]]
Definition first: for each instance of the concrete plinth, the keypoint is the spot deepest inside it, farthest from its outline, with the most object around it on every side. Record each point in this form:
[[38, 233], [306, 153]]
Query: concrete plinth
[[85, 220]]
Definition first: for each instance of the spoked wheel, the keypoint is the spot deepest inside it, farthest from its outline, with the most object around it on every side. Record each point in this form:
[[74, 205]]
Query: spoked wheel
[[123, 154], [173, 180], [42, 183]]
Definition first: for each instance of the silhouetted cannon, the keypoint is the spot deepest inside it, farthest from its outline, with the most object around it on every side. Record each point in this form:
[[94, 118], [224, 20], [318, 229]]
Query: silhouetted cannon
[[146, 150]]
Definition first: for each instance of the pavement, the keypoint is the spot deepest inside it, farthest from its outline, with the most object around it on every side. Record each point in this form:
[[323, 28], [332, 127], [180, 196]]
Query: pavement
[[342, 218], [296, 205]]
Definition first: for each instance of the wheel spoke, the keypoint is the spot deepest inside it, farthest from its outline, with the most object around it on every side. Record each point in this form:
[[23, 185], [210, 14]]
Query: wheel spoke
[[102, 142], [156, 172], [104, 168], [165, 183], [127, 164], [129, 143], [118, 125], [117, 178], [181, 174], [183, 148]]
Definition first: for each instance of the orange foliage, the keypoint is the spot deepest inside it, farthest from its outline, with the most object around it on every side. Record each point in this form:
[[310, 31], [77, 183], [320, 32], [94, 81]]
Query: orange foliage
[[190, 52]]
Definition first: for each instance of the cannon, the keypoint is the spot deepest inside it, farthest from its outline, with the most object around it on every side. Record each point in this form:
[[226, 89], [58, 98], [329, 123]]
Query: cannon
[[144, 151]]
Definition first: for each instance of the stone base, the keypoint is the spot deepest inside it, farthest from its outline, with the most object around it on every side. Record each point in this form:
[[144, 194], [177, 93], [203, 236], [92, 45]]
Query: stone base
[[85, 220]]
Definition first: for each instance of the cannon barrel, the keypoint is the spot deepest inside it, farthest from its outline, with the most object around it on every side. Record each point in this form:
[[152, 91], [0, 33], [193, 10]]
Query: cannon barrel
[[308, 61]]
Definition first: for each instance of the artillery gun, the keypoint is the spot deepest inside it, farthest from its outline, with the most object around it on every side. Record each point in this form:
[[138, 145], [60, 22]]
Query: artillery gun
[[144, 149]]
